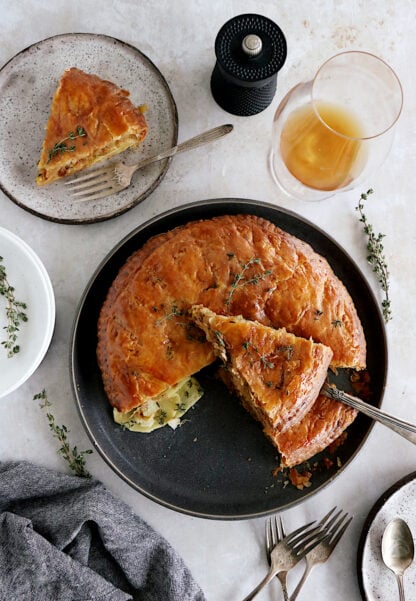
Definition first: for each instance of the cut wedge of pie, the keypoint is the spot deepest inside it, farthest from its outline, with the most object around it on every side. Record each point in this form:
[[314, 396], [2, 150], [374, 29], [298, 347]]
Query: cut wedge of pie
[[277, 375], [91, 119]]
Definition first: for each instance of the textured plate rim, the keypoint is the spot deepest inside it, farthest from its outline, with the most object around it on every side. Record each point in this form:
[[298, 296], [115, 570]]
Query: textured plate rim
[[49, 297], [150, 189], [220, 202]]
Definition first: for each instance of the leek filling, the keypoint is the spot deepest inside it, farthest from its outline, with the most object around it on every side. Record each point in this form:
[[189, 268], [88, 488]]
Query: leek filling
[[166, 409]]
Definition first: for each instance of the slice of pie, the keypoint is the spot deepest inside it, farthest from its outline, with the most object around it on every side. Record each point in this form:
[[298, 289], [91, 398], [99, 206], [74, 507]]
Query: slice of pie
[[277, 375], [91, 119]]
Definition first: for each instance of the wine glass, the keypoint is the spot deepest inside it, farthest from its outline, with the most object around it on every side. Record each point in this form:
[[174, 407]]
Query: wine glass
[[330, 133]]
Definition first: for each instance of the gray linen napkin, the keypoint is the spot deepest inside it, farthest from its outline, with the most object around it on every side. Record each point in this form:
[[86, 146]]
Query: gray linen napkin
[[64, 538]]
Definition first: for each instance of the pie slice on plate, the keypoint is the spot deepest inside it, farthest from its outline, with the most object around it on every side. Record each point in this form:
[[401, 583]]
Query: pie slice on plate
[[91, 119]]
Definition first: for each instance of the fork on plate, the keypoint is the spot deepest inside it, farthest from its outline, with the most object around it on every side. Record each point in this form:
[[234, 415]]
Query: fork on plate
[[287, 550], [117, 176]]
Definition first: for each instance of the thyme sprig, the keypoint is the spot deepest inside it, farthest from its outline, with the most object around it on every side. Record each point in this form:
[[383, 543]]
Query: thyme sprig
[[74, 457], [175, 311], [62, 145], [264, 359], [240, 279], [376, 257], [15, 313]]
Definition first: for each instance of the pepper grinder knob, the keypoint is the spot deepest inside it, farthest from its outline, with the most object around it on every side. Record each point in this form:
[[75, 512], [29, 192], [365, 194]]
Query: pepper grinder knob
[[252, 44], [250, 50]]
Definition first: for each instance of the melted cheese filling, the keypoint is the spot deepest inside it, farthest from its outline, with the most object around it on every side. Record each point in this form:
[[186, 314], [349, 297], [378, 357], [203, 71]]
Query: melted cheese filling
[[166, 409]]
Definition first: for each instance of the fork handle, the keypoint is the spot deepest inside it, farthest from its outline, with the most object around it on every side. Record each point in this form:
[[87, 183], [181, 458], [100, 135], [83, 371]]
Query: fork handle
[[405, 429], [269, 576], [195, 142], [301, 582]]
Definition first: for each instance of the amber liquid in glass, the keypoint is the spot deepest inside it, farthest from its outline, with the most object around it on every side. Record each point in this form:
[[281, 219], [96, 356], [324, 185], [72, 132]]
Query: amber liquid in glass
[[326, 153]]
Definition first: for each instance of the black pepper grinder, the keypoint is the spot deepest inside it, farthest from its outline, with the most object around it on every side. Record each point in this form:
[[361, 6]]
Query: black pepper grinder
[[250, 50]]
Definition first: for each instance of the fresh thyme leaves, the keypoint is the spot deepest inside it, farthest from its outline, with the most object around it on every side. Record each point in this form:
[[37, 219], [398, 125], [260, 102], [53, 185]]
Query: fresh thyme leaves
[[62, 145], [15, 313], [337, 323], [240, 279], [74, 457], [266, 359], [288, 349], [175, 311], [376, 257], [161, 417]]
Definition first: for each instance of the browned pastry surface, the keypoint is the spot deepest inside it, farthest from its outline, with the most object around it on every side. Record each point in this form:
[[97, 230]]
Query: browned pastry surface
[[277, 375], [321, 426], [104, 112], [239, 264]]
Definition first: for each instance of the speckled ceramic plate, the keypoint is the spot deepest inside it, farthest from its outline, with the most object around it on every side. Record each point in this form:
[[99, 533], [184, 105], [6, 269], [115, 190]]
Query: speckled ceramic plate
[[27, 84], [218, 464], [26, 273], [377, 582]]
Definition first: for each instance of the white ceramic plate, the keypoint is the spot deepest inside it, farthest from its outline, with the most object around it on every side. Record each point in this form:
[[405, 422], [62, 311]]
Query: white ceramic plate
[[377, 582], [26, 273], [27, 84]]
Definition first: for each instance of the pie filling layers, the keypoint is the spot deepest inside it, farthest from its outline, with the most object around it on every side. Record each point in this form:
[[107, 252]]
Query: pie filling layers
[[90, 120]]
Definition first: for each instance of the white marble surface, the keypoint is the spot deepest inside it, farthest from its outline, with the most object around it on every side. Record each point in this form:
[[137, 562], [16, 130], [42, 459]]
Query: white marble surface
[[227, 557]]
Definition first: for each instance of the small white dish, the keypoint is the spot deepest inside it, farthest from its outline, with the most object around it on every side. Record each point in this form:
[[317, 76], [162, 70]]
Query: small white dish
[[27, 274]]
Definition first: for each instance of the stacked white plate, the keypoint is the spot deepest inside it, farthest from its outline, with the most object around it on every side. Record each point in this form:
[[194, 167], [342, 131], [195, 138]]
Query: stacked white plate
[[26, 273]]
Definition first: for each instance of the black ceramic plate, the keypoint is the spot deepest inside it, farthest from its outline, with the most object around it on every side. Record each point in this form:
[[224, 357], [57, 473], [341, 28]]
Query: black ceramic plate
[[218, 464]]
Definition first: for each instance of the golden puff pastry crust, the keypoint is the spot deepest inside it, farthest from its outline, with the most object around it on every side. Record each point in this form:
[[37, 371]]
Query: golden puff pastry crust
[[321, 426], [276, 375], [233, 265], [90, 120]]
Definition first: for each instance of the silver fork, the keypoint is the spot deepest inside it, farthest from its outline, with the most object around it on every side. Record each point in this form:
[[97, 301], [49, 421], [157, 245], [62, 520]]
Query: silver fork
[[272, 537], [117, 176], [335, 528], [288, 551]]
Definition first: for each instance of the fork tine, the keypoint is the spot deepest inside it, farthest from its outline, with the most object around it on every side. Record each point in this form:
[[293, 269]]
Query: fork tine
[[293, 534], [279, 529], [87, 176], [97, 196], [308, 537], [309, 542], [327, 516], [274, 531], [99, 187], [336, 536], [282, 528], [91, 184], [268, 537]]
